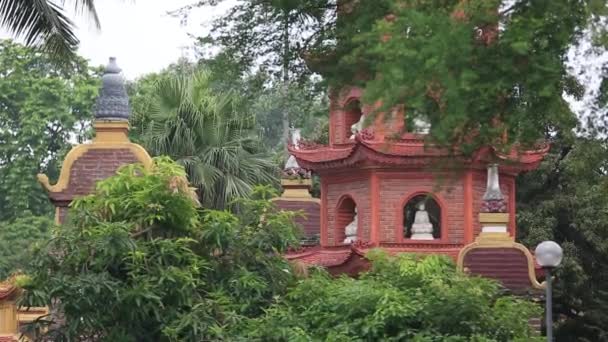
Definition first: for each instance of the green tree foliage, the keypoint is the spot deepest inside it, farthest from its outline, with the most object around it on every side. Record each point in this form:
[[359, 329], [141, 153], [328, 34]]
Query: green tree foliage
[[44, 23], [402, 298], [16, 241], [566, 200], [42, 108], [447, 62], [140, 261], [210, 133], [307, 110], [268, 35]]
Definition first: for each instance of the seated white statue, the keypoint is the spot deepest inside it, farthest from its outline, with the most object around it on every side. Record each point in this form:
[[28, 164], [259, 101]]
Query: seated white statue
[[422, 229], [351, 230], [357, 127]]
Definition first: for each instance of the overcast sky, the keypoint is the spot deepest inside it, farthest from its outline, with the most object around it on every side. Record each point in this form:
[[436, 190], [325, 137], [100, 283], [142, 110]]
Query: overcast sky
[[139, 33]]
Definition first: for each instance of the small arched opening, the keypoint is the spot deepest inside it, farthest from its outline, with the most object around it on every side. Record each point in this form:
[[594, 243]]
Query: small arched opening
[[422, 218], [352, 116], [346, 219]]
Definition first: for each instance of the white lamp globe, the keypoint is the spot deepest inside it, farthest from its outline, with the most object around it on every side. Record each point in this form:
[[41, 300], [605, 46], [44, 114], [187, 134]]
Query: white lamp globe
[[548, 254]]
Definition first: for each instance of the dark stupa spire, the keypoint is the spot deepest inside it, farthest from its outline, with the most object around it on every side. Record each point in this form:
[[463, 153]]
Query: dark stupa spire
[[113, 102]]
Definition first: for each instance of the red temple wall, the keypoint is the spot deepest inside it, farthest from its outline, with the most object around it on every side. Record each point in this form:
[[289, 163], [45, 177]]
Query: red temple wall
[[339, 129], [356, 187], [397, 188], [381, 195], [311, 210], [341, 118]]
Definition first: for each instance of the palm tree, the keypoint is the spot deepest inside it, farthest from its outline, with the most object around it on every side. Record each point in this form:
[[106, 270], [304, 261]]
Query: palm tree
[[44, 23], [207, 132]]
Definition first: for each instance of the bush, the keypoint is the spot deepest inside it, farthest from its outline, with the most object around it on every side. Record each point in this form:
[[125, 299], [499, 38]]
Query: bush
[[142, 262], [402, 298]]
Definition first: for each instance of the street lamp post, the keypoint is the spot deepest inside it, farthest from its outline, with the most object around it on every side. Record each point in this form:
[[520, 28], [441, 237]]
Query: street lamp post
[[548, 255]]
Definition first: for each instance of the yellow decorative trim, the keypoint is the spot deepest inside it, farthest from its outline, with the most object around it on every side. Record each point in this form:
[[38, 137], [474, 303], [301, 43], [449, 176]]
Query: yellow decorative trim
[[297, 190], [111, 132], [31, 314], [109, 135], [8, 318], [12, 316], [493, 218], [489, 238], [296, 182], [57, 212], [500, 240], [297, 199]]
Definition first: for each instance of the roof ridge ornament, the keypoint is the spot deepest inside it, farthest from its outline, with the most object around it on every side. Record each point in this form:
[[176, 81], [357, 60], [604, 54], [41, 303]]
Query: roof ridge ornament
[[292, 169], [113, 102]]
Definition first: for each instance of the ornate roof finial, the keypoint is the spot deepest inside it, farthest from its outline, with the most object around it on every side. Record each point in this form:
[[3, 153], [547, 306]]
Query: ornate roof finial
[[292, 169], [296, 136], [112, 102], [493, 199]]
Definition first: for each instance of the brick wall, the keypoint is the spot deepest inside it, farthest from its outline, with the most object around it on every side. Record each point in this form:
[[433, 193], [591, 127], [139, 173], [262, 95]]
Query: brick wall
[[359, 190], [94, 165], [396, 188], [310, 223], [340, 117]]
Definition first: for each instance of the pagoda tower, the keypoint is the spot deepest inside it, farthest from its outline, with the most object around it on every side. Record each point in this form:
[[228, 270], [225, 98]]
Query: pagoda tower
[[382, 176], [384, 185], [111, 148], [297, 183]]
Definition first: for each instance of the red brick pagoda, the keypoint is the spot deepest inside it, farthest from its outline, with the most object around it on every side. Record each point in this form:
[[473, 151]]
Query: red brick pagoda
[[384, 186], [377, 182]]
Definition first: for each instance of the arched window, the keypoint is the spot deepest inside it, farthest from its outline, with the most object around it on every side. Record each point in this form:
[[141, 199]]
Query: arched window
[[428, 224], [346, 217], [352, 115]]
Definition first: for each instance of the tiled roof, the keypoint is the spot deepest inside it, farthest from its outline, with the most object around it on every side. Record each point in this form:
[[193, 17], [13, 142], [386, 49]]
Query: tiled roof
[[338, 255], [506, 265], [324, 257], [408, 152], [6, 289], [322, 153]]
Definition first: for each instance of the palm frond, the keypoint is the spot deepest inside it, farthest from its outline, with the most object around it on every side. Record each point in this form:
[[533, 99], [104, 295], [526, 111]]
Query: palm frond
[[43, 23], [208, 133], [88, 7]]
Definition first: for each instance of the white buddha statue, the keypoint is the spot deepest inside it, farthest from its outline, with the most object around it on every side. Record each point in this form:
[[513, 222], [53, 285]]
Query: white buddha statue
[[422, 229], [357, 127], [351, 230]]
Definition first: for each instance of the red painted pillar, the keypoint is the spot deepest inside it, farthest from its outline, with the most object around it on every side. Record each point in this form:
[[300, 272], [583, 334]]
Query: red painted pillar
[[512, 204], [468, 206], [323, 211], [375, 207]]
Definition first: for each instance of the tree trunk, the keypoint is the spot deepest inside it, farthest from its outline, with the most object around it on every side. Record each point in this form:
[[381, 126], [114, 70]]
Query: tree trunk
[[285, 74]]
